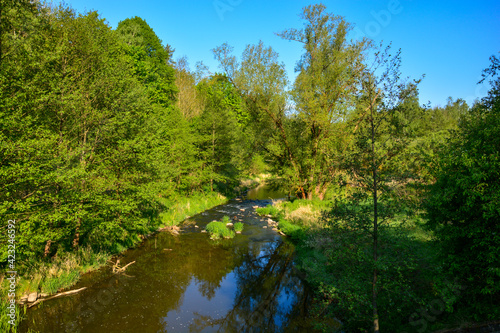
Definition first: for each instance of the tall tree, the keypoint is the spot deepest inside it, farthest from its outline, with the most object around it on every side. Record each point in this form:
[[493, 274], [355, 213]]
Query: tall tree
[[218, 128], [328, 79], [188, 101], [380, 134], [150, 58], [261, 81]]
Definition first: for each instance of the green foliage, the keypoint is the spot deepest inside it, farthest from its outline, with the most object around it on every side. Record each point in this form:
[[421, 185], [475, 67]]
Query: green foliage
[[181, 208], [328, 74], [463, 203], [268, 210], [103, 150], [289, 229], [219, 230], [218, 130], [238, 227], [150, 59], [338, 264]]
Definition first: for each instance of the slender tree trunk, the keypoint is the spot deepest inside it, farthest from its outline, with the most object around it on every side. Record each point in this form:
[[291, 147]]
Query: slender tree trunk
[[213, 158], [375, 228], [76, 239], [1, 7]]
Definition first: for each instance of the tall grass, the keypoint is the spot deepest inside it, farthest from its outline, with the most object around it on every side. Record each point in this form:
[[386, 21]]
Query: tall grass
[[5, 324], [300, 213], [61, 272], [219, 230], [183, 207]]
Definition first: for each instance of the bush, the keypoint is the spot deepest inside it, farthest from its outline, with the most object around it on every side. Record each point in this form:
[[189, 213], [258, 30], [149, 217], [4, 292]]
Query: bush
[[218, 230], [268, 210], [463, 203], [290, 229], [238, 227]]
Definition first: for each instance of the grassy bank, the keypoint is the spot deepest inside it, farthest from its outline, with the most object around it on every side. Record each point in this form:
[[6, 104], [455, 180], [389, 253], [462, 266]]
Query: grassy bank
[[182, 208], [335, 256], [48, 276]]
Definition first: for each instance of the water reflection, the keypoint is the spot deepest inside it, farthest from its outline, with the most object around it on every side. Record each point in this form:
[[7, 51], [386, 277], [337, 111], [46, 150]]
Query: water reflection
[[267, 294], [188, 283], [265, 191]]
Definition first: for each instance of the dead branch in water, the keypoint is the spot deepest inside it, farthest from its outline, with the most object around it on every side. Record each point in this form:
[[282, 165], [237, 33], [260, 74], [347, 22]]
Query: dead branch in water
[[117, 269]]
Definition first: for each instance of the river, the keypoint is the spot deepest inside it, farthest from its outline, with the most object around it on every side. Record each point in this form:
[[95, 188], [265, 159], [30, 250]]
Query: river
[[189, 283]]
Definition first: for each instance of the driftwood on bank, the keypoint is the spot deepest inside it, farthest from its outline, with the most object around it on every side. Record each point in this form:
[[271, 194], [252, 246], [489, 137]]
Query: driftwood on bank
[[66, 293]]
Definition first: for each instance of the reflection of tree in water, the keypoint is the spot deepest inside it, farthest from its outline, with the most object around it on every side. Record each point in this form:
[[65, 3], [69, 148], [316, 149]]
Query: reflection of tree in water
[[212, 265], [268, 295]]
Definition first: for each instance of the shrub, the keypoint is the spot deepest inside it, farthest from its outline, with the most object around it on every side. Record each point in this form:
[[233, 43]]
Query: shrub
[[238, 227], [218, 230], [290, 229], [226, 220], [463, 203], [268, 210]]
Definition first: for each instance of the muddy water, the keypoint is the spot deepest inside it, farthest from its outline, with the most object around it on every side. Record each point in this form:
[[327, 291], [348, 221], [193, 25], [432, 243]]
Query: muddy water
[[188, 283]]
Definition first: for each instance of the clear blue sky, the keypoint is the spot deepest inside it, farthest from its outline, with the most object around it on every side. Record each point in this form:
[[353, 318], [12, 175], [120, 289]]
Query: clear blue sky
[[448, 41]]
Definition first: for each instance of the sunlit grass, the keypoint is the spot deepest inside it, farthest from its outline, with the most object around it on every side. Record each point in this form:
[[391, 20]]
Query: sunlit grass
[[184, 207], [219, 229]]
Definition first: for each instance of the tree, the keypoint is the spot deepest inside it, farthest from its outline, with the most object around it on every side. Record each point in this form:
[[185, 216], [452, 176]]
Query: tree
[[303, 138], [188, 101], [218, 128], [463, 203], [328, 78], [381, 132], [260, 80], [150, 58], [97, 143]]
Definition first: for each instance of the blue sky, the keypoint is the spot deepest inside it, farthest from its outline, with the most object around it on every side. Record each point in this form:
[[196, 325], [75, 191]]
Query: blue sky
[[448, 41]]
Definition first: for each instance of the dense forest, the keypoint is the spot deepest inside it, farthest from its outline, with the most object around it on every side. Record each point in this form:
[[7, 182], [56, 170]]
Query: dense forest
[[104, 135]]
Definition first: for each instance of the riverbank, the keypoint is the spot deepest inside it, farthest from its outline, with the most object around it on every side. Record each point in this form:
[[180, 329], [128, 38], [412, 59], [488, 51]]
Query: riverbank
[[187, 281], [334, 255], [64, 270]]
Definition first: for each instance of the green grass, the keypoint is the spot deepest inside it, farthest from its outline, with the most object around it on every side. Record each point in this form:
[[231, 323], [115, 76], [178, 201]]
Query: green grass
[[5, 318], [238, 227], [335, 257], [65, 279], [62, 271], [183, 207], [268, 210], [219, 230]]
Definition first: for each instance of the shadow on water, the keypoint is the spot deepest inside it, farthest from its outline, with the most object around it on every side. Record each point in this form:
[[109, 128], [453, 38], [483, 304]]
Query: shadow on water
[[188, 283]]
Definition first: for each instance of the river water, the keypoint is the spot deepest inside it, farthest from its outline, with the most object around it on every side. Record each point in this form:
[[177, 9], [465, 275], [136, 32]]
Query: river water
[[189, 283]]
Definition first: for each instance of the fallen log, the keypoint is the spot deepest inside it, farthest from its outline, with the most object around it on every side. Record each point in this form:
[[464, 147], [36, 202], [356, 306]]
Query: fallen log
[[66, 293]]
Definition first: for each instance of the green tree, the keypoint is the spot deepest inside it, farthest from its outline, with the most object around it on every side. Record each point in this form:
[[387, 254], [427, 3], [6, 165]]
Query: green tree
[[218, 128], [77, 173], [328, 79], [260, 80], [381, 132], [150, 58], [463, 203]]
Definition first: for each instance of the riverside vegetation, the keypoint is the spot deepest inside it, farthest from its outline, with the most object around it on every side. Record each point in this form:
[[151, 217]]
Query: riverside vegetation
[[106, 138]]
